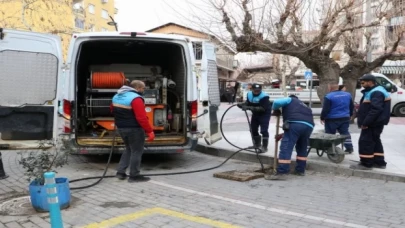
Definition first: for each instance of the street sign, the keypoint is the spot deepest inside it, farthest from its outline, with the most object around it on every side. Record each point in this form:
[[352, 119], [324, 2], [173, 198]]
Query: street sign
[[308, 74]]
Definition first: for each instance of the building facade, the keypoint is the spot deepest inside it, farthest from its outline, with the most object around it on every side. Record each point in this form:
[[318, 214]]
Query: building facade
[[60, 17], [226, 63]]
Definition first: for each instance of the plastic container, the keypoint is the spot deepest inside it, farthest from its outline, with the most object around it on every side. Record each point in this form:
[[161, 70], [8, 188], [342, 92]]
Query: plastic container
[[39, 199]]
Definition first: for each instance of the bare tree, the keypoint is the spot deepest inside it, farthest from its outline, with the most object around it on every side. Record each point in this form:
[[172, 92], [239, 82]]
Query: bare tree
[[310, 31], [48, 16]]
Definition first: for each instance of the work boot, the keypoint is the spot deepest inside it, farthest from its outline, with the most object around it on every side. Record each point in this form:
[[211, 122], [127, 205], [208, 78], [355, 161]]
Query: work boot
[[257, 141], [265, 144], [138, 178], [121, 176], [277, 176], [297, 173]]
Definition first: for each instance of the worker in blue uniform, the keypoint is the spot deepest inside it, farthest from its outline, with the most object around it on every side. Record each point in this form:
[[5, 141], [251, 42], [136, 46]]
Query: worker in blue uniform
[[373, 114], [298, 124], [259, 103], [337, 111]]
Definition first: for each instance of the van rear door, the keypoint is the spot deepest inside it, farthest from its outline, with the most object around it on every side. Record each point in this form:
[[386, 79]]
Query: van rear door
[[210, 95], [29, 67]]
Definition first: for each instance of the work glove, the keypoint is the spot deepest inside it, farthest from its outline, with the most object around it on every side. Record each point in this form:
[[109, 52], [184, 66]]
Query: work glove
[[240, 105], [278, 137], [151, 136], [276, 113]]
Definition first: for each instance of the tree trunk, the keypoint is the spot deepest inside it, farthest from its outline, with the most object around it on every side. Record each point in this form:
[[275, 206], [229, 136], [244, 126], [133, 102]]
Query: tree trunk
[[283, 83], [350, 84], [327, 74], [351, 74]]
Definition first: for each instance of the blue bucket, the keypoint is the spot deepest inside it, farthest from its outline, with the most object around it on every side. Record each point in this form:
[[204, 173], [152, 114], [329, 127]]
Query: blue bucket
[[39, 199]]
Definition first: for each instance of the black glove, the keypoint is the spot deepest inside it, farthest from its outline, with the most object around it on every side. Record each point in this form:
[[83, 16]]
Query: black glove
[[245, 107], [276, 113], [240, 105]]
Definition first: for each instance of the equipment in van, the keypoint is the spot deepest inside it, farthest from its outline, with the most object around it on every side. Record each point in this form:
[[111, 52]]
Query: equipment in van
[[102, 86]]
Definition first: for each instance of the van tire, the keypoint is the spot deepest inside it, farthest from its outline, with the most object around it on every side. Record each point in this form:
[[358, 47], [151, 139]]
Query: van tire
[[399, 110]]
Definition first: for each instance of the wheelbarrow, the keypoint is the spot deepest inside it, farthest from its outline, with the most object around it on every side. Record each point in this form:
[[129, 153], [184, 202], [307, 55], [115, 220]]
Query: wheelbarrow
[[328, 143]]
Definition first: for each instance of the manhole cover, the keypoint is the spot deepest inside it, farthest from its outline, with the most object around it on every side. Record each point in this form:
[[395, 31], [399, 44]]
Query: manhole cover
[[236, 175], [17, 206]]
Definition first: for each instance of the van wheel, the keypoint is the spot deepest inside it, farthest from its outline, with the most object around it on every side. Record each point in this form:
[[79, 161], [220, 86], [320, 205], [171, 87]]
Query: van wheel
[[399, 110]]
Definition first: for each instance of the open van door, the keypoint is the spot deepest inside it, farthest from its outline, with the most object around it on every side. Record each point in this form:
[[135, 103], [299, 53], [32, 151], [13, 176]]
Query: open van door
[[210, 95], [29, 67]]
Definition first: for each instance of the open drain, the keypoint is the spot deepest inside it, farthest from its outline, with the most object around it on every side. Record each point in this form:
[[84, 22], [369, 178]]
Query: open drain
[[17, 206]]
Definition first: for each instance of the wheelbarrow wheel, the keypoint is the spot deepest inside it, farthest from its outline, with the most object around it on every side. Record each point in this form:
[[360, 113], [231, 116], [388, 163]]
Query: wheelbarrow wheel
[[336, 157]]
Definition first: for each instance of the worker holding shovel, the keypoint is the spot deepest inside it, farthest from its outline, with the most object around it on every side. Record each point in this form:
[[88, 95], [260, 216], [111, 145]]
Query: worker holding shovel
[[298, 124]]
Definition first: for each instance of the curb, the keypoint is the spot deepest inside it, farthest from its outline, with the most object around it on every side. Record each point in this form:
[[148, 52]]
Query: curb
[[311, 165]]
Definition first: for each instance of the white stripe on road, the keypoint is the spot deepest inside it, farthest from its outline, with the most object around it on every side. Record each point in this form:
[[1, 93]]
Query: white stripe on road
[[261, 207]]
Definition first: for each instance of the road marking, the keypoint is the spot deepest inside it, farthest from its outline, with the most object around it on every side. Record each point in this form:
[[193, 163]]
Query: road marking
[[130, 217], [261, 207]]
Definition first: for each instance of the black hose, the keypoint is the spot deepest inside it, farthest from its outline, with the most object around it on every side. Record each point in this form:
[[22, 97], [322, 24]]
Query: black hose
[[105, 169], [173, 173], [256, 150]]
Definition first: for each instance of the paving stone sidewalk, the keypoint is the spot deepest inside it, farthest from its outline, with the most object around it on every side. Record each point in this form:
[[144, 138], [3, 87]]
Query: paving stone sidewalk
[[236, 131], [199, 200]]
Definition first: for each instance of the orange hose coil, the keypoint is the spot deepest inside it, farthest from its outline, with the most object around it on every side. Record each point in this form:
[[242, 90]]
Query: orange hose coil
[[107, 80]]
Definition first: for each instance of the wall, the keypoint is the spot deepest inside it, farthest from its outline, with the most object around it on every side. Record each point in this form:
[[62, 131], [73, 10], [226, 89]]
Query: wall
[[94, 21]]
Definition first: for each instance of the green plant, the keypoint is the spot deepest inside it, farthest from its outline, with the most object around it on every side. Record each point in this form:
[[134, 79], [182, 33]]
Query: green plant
[[47, 159]]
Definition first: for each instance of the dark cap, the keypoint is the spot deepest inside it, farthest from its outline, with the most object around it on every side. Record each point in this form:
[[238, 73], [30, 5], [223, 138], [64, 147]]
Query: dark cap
[[256, 86], [293, 96], [367, 77]]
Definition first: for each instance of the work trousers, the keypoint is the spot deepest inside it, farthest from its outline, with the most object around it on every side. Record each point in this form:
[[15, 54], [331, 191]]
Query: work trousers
[[261, 121], [371, 150], [134, 139], [298, 136], [341, 126]]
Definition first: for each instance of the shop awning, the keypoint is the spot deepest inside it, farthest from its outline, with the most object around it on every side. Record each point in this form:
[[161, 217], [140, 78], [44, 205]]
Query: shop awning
[[393, 67], [392, 70]]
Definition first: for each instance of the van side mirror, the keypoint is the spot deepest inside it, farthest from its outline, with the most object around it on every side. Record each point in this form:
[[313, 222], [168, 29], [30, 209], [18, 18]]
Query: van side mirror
[[394, 89], [388, 87]]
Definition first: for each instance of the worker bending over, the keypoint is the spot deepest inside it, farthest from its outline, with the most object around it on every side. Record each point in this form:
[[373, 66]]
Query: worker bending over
[[298, 124]]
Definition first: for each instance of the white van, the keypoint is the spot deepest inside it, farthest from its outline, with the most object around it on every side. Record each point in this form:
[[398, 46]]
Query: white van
[[43, 99]]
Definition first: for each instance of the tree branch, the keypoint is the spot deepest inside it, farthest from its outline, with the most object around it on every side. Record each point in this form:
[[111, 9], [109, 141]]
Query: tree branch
[[390, 55], [283, 19]]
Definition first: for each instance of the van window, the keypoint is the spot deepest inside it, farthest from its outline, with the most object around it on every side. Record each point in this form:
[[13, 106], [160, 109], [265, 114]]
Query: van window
[[382, 81]]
